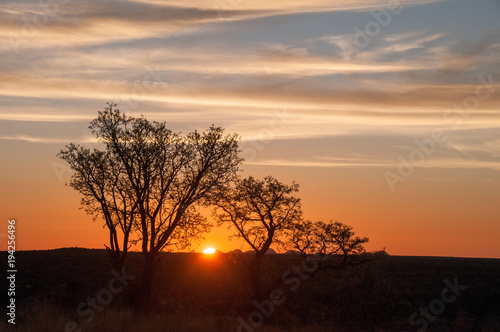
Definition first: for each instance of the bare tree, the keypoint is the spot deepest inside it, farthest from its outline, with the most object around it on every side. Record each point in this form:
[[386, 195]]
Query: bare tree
[[326, 239], [335, 238], [259, 212], [167, 176], [303, 237], [106, 193]]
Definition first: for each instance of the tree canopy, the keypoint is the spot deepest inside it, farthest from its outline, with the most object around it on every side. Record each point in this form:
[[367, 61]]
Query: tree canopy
[[259, 211], [148, 181]]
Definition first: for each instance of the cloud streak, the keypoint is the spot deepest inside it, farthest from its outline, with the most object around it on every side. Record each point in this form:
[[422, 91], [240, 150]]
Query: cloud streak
[[171, 61]]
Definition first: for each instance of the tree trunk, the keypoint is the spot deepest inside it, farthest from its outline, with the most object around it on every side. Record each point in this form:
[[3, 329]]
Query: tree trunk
[[150, 260], [254, 271], [254, 268], [117, 258]]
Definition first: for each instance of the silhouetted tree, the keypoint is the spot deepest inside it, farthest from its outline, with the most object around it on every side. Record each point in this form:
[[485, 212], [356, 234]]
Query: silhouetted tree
[[166, 176], [259, 211], [303, 237], [106, 193], [326, 239]]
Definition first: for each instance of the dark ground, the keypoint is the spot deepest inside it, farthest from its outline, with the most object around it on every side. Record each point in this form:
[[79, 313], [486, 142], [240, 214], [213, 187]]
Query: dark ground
[[196, 292]]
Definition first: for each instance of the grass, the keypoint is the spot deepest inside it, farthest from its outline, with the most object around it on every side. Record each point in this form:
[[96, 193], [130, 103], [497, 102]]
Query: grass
[[198, 293]]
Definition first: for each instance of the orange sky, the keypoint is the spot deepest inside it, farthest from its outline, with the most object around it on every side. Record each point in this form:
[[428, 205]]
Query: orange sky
[[282, 74], [454, 218]]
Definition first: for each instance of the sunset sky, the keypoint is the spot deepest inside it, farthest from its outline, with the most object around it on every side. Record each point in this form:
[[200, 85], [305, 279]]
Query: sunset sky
[[386, 113]]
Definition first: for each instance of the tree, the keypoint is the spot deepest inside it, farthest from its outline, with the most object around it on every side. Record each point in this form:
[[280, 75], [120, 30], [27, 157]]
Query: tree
[[106, 192], [302, 237], [167, 176], [259, 211], [326, 239], [337, 238]]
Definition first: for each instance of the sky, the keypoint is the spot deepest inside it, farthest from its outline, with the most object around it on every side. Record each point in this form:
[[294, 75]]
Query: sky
[[385, 112]]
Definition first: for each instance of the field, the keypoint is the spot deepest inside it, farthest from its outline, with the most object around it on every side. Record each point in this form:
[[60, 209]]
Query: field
[[196, 292]]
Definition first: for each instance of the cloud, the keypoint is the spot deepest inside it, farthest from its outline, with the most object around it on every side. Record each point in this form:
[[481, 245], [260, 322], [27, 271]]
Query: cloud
[[38, 26], [32, 139], [195, 63], [27, 25], [431, 164], [418, 102], [281, 7]]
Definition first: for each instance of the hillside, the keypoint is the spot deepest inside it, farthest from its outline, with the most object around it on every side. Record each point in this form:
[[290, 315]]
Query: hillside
[[197, 292]]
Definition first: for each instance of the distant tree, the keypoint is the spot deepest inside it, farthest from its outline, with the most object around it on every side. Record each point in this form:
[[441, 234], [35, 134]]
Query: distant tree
[[303, 237], [259, 211], [166, 176], [335, 238], [326, 239]]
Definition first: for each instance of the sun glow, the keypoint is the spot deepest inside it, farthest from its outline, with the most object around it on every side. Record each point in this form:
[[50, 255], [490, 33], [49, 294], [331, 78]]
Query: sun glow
[[209, 251]]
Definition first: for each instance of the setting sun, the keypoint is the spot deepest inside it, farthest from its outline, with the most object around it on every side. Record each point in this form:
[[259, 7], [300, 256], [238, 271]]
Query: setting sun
[[209, 251]]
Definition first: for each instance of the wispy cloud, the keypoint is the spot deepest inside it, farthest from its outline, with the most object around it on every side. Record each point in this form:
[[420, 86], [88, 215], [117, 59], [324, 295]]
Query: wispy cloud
[[214, 70], [436, 163], [32, 139]]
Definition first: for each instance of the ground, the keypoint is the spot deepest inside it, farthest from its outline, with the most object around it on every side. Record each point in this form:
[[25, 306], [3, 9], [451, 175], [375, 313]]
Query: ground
[[196, 292]]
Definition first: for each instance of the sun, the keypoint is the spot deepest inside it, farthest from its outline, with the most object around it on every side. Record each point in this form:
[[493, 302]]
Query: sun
[[209, 251]]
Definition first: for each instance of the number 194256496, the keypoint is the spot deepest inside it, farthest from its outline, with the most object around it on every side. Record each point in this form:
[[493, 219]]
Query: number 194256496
[[11, 248]]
